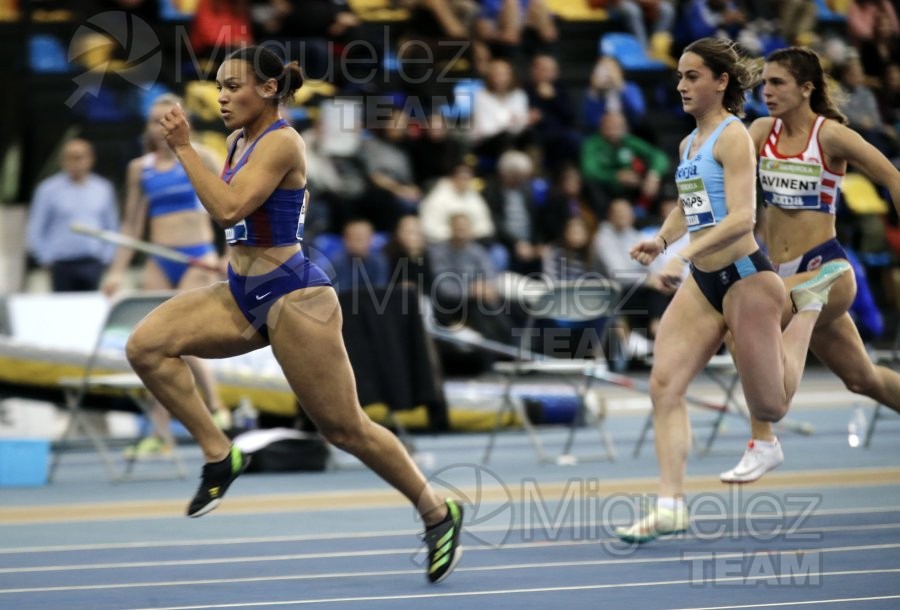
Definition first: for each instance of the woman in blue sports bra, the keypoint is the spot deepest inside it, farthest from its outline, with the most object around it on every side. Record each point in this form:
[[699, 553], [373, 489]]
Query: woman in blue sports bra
[[159, 190], [806, 135], [274, 296], [731, 287]]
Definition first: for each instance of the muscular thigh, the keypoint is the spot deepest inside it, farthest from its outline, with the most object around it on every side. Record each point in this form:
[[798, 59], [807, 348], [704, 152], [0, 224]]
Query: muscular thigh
[[690, 332], [752, 313], [204, 322], [305, 332]]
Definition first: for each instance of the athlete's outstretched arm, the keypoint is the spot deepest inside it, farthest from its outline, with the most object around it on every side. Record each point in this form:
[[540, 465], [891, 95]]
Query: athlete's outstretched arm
[[844, 143]]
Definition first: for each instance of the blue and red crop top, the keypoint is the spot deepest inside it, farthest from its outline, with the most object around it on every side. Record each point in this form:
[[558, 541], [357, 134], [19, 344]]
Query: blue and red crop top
[[279, 220], [167, 191]]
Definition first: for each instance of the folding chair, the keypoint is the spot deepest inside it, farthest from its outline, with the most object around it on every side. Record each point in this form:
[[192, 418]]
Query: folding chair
[[722, 371], [123, 316], [579, 305]]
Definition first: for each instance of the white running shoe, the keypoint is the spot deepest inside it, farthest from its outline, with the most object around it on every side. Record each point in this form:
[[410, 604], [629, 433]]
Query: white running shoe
[[816, 289], [756, 462], [656, 522]]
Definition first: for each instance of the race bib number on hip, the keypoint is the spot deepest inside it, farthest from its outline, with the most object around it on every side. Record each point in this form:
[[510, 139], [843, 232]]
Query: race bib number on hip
[[696, 204], [236, 233]]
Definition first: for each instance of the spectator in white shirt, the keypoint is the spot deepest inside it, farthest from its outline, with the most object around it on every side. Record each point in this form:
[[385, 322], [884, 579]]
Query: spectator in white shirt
[[499, 111], [450, 196]]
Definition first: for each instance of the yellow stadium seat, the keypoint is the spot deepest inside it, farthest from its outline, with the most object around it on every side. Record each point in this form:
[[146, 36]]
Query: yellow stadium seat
[[860, 195]]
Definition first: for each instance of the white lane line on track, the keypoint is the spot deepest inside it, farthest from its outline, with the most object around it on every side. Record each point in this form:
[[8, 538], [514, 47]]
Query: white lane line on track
[[658, 583], [814, 602], [490, 568], [61, 548], [384, 553]]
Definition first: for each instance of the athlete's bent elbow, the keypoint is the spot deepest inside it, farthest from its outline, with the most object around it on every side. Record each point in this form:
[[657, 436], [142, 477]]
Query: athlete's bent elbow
[[744, 223], [227, 218], [223, 222]]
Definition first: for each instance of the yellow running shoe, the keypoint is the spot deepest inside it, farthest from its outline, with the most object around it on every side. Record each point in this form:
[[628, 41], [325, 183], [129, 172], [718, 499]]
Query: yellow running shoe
[[148, 448], [222, 417]]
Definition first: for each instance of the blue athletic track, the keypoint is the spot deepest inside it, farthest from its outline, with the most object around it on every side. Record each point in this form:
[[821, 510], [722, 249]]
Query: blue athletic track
[[822, 531]]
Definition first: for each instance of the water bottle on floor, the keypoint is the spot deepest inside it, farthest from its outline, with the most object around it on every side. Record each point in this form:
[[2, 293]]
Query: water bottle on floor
[[856, 429], [245, 416]]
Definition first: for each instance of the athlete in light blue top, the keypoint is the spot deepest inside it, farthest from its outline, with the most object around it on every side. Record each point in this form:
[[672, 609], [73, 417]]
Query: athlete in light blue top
[[732, 286], [274, 296]]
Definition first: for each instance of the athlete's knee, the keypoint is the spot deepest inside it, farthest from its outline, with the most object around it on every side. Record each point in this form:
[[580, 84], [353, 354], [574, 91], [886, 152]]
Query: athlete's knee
[[665, 389], [862, 382], [347, 436], [769, 413], [141, 350], [145, 348]]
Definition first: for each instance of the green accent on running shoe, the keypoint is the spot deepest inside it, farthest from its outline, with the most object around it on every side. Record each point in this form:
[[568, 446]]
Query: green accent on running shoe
[[215, 479], [237, 459], [443, 543], [438, 564]]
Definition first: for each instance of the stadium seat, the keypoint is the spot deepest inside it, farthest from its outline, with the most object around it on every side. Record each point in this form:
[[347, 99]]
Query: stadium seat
[[627, 50], [46, 55], [825, 15]]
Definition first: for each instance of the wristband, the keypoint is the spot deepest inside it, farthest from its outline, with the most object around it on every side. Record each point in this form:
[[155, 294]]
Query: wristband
[[665, 243]]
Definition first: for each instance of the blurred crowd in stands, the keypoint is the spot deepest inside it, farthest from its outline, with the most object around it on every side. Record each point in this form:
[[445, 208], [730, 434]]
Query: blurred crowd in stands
[[474, 137]]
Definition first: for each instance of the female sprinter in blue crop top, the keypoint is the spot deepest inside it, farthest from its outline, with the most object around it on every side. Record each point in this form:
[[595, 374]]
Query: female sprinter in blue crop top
[[158, 188], [804, 149], [274, 296], [732, 286]]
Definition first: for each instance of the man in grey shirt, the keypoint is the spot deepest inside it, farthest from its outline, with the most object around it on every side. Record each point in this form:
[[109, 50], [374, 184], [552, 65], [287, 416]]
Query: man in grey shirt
[[464, 289]]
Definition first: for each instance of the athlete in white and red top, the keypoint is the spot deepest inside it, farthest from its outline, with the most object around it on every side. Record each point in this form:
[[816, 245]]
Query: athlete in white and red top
[[798, 182], [804, 150]]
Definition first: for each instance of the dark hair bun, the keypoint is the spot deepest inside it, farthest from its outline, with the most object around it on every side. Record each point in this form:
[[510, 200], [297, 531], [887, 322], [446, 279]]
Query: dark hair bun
[[267, 65], [291, 80]]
